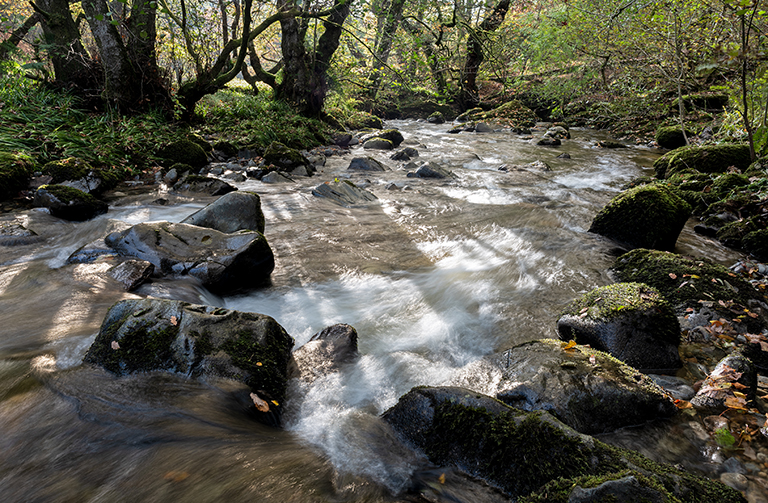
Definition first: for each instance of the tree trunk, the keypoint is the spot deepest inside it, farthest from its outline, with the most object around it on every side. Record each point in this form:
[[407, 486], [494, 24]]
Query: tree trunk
[[72, 65], [384, 45], [469, 93], [305, 76], [120, 76], [15, 38]]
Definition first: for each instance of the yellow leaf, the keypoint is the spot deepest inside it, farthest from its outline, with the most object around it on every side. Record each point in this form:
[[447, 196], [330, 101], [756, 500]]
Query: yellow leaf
[[570, 345], [733, 402], [740, 395], [258, 364], [275, 402], [442, 478]]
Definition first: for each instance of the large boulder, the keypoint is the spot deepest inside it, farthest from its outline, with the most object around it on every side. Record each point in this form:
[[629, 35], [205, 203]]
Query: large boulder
[[197, 185], [630, 321], [325, 352], [378, 144], [15, 171], [232, 212], [703, 158], [185, 151], [521, 453], [588, 390], [79, 174], [221, 262], [343, 193], [648, 216], [69, 203], [284, 157], [142, 335], [431, 170]]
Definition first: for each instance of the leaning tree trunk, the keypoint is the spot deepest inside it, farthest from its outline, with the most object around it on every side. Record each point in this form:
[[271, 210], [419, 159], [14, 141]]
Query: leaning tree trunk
[[305, 76], [469, 93], [72, 66]]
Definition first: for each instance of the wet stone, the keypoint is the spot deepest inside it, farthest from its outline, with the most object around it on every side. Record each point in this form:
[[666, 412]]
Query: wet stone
[[132, 273]]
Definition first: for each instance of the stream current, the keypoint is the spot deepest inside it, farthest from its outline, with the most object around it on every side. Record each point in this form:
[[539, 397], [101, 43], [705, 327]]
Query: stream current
[[433, 275]]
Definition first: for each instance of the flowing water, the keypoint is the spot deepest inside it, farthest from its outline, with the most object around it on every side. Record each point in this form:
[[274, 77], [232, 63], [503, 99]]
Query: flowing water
[[434, 275]]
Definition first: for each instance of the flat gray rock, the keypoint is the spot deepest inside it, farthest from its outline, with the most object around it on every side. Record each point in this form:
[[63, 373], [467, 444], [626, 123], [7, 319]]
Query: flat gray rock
[[231, 212]]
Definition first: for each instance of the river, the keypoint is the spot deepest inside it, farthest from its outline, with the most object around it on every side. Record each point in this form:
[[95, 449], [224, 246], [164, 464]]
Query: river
[[434, 275]]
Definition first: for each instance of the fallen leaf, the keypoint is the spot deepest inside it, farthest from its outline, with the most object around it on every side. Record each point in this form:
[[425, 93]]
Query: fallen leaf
[[673, 275], [174, 321], [441, 479], [175, 476], [682, 404], [275, 402], [733, 402], [261, 405], [258, 364], [570, 345], [115, 345], [592, 360]]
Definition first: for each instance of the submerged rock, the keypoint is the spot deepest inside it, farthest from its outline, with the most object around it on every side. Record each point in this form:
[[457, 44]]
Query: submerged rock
[[528, 455], [69, 203], [343, 193], [221, 262], [142, 335], [588, 390], [132, 273], [230, 213], [630, 321], [197, 185], [548, 141], [648, 216], [15, 234], [365, 164], [431, 170], [325, 352]]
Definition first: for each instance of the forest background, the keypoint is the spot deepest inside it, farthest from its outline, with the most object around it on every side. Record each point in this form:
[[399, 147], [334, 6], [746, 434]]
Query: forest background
[[111, 82]]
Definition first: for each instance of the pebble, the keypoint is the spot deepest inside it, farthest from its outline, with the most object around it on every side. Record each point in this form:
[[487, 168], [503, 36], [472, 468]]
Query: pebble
[[735, 480], [733, 465]]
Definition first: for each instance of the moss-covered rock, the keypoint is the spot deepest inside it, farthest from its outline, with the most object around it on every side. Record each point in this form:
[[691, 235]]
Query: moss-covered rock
[[436, 118], [650, 216], [512, 114], [228, 148], [690, 180], [630, 321], [142, 335], [756, 244], [81, 175], [284, 157], [392, 135], [362, 120], [199, 140], [703, 158], [724, 184], [69, 203], [470, 115], [732, 233], [523, 452], [672, 137], [198, 185], [684, 281], [589, 390], [184, 151], [15, 171], [378, 144]]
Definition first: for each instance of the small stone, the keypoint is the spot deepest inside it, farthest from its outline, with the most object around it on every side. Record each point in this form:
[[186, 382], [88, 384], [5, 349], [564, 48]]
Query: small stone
[[733, 465], [482, 127], [132, 273], [275, 177], [734, 480]]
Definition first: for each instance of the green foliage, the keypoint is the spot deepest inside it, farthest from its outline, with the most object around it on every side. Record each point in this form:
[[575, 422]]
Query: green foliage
[[256, 121], [48, 125]]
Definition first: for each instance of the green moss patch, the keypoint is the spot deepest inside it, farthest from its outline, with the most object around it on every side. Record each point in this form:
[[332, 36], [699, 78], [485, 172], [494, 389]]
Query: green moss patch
[[703, 158], [184, 151], [606, 302], [15, 171]]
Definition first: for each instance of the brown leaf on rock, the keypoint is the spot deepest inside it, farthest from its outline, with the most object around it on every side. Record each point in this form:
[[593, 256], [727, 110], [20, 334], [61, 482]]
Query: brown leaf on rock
[[261, 405]]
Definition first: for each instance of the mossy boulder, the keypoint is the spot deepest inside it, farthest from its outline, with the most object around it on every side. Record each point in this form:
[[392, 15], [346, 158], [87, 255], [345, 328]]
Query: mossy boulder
[[521, 453], [756, 244], [392, 135], [227, 148], [589, 390], [69, 203], [79, 174], [185, 151], [690, 181], [685, 281], [15, 171], [436, 118], [232, 212], [471, 114], [223, 263], [512, 113], [672, 137], [143, 335], [378, 144], [362, 120], [733, 233], [630, 321], [283, 156], [649, 216], [199, 140], [703, 158]]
